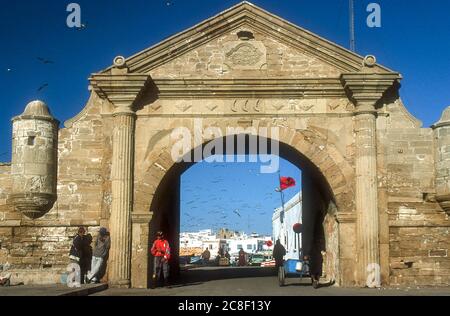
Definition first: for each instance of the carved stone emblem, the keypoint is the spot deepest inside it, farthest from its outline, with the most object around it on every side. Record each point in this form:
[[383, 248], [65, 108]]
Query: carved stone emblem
[[306, 107], [252, 106], [338, 104], [183, 107], [211, 106], [301, 105], [245, 54], [279, 106], [156, 106]]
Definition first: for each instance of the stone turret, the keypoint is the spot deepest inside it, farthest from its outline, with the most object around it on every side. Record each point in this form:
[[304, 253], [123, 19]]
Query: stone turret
[[34, 160], [442, 136]]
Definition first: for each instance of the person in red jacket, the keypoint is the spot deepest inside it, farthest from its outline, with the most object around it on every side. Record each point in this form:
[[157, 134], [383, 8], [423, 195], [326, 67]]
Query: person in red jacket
[[161, 251]]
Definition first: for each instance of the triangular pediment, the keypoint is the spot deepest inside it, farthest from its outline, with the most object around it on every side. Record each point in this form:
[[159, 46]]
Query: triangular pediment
[[216, 46]]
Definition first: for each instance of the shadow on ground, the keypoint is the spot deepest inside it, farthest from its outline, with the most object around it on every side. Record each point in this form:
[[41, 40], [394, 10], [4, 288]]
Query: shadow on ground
[[198, 276]]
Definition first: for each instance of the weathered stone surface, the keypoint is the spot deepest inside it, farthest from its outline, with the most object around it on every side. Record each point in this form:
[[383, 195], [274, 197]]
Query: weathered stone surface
[[387, 176]]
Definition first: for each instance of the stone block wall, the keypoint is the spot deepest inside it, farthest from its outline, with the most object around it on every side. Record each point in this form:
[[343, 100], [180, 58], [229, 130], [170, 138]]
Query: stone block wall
[[418, 226], [280, 60], [5, 211], [38, 250]]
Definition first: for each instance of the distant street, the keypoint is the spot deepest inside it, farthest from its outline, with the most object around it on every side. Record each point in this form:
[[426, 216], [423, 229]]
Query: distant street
[[258, 282]]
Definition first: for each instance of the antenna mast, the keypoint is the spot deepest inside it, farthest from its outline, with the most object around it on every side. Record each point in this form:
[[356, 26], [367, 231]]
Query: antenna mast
[[352, 25]]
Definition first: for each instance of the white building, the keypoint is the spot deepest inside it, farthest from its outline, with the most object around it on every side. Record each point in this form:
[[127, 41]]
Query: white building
[[284, 230], [214, 245], [206, 239], [196, 240], [250, 244]]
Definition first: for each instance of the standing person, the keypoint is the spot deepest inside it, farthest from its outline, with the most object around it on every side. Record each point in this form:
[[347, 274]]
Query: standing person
[[161, 251], [242, 259], [316, 262], [278, 254], [227, 255], [76, 250], [100, 255], [76, 256], [206, 255], [85, 261]]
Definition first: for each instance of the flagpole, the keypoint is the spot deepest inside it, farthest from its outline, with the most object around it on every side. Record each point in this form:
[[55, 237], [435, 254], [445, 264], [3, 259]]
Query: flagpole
[[282, 209], [352, 25], [281, 191]]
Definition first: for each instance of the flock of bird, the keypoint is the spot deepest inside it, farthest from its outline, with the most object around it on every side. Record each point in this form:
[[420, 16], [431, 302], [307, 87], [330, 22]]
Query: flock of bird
[[216, 203], [45, 61]]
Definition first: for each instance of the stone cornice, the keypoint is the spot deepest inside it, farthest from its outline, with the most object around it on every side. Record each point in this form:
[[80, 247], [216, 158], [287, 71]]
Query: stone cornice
[[365, 89], [139, 218], [121, 90], [444, 121], [249, 88]]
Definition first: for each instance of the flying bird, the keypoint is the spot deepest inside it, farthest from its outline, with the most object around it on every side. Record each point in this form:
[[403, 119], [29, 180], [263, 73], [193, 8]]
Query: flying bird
[[45, 61], [45, 85], [237, 213]]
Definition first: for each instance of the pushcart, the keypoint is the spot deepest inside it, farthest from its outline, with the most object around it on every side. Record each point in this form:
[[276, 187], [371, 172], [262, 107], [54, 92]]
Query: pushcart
[[293, 269]]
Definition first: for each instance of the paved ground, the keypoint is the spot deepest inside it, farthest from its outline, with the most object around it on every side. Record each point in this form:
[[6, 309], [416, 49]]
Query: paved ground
[[51, 290], [258, 282]]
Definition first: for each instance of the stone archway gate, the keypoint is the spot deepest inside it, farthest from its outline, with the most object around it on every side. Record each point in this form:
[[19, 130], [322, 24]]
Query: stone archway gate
[[246, 67]]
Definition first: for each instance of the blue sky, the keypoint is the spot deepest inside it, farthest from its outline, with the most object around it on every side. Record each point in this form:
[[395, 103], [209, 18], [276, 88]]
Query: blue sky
[[233, 195], [413, 39]]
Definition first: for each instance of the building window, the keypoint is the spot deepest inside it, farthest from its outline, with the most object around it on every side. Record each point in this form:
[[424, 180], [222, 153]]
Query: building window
[[249, 247], [31, 140], [239, 247]]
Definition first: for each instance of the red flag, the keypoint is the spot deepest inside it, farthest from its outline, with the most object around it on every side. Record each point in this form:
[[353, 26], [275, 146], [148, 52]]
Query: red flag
[[286, 183]]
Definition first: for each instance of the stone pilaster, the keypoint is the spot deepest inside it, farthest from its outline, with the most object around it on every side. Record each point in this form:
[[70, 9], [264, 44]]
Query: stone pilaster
[[365, 89], [367, 228], [140, 250], [122, 90], [122, 197]]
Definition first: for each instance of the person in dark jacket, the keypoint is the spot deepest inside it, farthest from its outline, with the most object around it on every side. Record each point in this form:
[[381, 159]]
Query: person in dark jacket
[[206, 255], [316, 261], [85, 262], [242, 261], [76, 250], [278, 254], [100, 255]]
